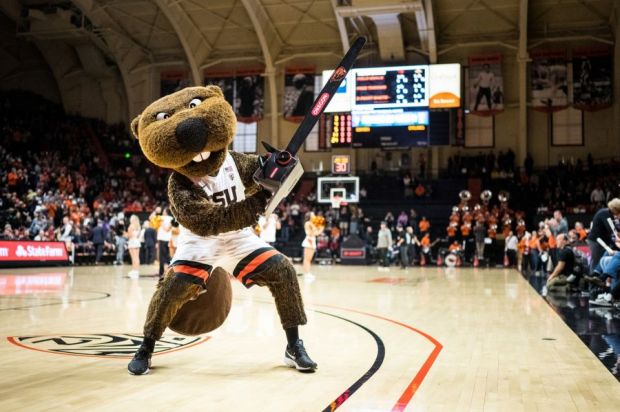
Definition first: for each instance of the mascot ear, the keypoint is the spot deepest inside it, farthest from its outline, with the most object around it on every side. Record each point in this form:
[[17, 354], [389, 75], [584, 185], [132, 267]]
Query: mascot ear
[[215, 89], [134, 126]]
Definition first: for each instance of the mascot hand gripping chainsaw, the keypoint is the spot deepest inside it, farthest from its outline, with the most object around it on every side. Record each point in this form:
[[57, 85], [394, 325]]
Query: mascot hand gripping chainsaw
[[215, 199]]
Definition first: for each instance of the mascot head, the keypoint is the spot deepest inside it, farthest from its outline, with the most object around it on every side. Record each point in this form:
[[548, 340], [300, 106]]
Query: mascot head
[[188, 131]]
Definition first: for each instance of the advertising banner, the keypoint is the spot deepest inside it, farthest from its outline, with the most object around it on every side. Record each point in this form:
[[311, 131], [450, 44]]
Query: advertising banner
[[592, 79], [245, 91], [485, 85], [549, 80], [24, 252], [444, 86], [298, 93]]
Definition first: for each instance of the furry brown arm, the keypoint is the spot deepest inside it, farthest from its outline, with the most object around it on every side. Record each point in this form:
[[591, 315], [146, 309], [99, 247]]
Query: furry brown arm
[[192, 209], [247, 164]]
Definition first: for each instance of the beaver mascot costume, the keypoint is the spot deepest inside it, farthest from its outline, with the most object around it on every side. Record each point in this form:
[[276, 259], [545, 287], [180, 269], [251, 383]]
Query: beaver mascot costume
[[215, 200]]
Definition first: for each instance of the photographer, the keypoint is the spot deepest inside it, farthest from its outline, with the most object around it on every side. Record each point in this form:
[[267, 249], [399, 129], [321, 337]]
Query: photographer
[[564, 267]]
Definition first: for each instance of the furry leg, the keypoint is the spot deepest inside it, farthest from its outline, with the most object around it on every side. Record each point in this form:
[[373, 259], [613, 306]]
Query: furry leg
[[281, 279], [171, 294]]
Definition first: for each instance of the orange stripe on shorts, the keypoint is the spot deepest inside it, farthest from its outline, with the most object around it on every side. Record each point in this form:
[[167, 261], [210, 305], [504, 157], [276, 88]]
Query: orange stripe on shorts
[[200, 273], [256, 262]]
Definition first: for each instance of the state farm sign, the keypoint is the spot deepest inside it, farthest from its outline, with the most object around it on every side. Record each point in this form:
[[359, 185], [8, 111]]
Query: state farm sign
[[20, 251]]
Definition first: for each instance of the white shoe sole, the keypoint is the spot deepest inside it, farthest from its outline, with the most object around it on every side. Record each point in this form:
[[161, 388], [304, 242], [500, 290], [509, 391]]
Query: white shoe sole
[[292, 364], [601, 304], [135, 374]]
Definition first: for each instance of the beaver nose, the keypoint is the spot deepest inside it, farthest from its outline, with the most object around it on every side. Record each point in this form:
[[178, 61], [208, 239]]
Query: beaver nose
[[192, 134]]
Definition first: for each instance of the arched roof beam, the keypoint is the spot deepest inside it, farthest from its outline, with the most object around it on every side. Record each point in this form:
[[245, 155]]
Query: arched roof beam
[[426, 29], [194, 44], [127, 53], [342, 28], [270, 46]]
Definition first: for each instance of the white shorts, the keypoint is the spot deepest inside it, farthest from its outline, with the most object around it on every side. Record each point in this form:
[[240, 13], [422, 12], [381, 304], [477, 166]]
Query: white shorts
[[241, 253], [309, 242], [133, 244]]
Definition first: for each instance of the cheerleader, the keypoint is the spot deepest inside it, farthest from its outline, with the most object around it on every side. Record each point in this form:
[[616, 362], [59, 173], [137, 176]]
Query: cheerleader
[[133, 244], [313, 227]]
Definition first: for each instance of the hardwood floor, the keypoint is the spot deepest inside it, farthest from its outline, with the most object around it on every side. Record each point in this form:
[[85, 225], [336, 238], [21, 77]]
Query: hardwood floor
[[431, 339]]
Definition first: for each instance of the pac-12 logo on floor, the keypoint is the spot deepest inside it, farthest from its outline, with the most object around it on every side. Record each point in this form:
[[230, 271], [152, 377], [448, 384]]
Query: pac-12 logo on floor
[[102, 345]]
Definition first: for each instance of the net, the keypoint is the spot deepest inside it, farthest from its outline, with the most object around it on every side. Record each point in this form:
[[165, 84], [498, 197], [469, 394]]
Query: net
[[336, 196], [336, 201]]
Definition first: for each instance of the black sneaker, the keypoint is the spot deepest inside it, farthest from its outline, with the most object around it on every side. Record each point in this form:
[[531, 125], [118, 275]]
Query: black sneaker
[[296, 357], [141, 362]]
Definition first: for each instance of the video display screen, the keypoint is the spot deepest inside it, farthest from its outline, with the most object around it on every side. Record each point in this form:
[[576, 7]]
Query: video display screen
[[444, 86], [385, 87], [387, 107]]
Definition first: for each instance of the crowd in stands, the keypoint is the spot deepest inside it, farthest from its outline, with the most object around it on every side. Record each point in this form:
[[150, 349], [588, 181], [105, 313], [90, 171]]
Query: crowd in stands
[[52, 177], [573, 185], [124, 152]]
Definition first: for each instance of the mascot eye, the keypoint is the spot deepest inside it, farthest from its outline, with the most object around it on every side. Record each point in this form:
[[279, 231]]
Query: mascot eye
[[194, 103], [162, 116]]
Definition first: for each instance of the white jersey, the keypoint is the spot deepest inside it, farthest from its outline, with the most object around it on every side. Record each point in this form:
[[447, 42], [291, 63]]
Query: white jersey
[[223, 189], [240, 252]]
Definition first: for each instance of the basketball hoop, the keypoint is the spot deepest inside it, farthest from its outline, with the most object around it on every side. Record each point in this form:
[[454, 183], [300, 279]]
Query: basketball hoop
[[346, 187]]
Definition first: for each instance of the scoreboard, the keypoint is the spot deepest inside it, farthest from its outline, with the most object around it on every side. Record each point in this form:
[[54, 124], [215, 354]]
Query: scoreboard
[[338, 127], [436, 86], [394, 107], [391, 87]]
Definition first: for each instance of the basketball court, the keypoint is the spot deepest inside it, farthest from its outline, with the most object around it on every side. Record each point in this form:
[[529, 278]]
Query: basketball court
[[385, 339], [464, 124]]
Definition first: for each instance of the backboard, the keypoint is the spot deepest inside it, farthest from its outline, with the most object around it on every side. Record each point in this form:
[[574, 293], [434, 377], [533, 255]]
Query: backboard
[[348, 186]]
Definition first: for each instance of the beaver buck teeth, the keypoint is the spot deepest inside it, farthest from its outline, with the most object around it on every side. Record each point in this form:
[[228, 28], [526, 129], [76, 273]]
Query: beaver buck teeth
[[201, 156]]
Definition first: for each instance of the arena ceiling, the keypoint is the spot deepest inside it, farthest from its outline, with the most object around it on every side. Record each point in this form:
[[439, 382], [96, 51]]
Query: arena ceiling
[[204, 33], [128, 38]]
